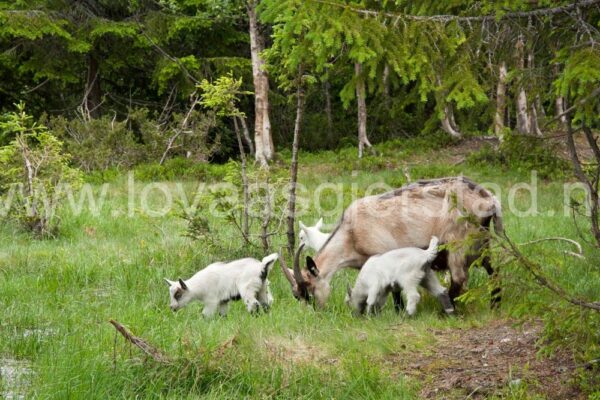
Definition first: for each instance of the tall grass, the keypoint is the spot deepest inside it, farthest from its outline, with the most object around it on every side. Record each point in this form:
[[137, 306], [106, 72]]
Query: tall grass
[[56, 298]]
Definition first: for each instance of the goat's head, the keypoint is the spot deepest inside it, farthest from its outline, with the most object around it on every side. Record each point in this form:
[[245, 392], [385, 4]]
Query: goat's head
[[308, 232], [303, 282], [179, 293]]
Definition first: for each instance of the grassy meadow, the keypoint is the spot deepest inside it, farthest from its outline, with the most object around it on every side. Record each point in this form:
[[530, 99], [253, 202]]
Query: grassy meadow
[[57, 296]]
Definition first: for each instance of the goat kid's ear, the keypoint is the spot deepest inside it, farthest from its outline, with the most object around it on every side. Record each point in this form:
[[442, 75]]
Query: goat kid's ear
[[183, 285], [170, 283], [319, 223], [312, 267], [301, 225]]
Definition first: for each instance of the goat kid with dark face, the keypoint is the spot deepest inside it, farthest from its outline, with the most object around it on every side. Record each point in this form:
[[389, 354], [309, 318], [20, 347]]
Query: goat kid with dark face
[[456, 210], [401, 269], [219, 283]]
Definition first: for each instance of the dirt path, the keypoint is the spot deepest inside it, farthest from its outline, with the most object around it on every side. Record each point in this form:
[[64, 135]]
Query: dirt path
[[478, 362]]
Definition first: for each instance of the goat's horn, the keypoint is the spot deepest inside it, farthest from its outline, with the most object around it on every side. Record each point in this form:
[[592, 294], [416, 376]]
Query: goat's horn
[[297, 274], [286, 270]]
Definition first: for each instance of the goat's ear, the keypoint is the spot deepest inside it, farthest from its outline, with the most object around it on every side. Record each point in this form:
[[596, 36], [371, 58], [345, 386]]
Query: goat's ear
[[301, 225], [170, 283], [312, 267], [183, 285], [319, 224]]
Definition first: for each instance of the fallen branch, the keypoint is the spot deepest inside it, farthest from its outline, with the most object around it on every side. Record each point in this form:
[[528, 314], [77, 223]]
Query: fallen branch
[[151, 351]]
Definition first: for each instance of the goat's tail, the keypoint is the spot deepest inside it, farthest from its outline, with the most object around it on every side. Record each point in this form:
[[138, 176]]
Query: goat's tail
[[267, 264], [432, 249]]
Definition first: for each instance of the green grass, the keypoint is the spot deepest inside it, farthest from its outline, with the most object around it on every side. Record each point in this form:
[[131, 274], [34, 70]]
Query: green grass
[[57, 296]]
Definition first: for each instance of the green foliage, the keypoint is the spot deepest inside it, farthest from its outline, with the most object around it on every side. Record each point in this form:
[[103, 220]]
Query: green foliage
[[578, 80], [222, 95], [105, 143], [523, 153], [34, 174]]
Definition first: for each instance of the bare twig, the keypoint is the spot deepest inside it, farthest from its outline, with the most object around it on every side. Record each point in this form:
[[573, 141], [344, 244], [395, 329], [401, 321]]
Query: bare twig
[[575, 243]]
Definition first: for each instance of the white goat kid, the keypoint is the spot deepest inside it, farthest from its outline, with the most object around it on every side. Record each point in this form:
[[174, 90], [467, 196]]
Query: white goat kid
[[219, 283], [404, 269], [311, 236]]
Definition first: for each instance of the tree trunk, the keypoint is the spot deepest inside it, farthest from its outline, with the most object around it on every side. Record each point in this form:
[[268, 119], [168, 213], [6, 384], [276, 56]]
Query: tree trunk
[[327, 89], [448, 123], [246, 132], [262, 125], [559, 105], [93, 93], [363, 140], [523, 120], [533, 116], [386, 85], [500, 100], [245, 211], [291, 217]]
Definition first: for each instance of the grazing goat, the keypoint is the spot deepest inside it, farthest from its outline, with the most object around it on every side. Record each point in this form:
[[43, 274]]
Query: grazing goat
[[456, 210], [403, 269], [219, 283], [311, 236]]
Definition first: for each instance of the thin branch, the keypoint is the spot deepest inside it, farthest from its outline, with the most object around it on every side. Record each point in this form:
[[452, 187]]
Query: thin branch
[[575, 243], [536, 270], [595, 93], [446, 18]]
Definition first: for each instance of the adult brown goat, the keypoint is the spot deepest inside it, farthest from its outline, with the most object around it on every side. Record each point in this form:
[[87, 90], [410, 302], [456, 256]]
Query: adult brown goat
[[456, 210]]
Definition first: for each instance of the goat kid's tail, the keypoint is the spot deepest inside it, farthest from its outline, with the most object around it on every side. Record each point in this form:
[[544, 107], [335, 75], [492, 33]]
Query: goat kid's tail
[[268, 263], [432, 249]]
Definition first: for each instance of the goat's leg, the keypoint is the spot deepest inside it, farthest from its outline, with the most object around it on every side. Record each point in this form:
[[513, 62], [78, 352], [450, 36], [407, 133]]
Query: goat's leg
[[457, 264], [412, 299], [433, 285], [223, 307], [209, 309], [495, 296], [265, 298], [372, 298], [398, 301]]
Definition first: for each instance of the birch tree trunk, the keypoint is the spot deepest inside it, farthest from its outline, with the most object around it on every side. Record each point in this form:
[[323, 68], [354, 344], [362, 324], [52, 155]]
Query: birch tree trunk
[[246, 132], [361, 95], [500, 100], [327, 89], [245, 212], [264, 149], [291, 217], [523, 121], [93, 92], [448, 123], [533, 116]]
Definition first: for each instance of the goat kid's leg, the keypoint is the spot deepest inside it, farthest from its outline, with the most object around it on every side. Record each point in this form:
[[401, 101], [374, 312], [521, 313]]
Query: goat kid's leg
[[372, 301], [223, 307], [398, 301], [265, 298], [433, 285], [412, 299], [209, 309]]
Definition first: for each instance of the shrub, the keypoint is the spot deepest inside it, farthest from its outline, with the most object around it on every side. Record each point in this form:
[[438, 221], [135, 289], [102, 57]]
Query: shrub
[[524, 154], [33, 174]]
